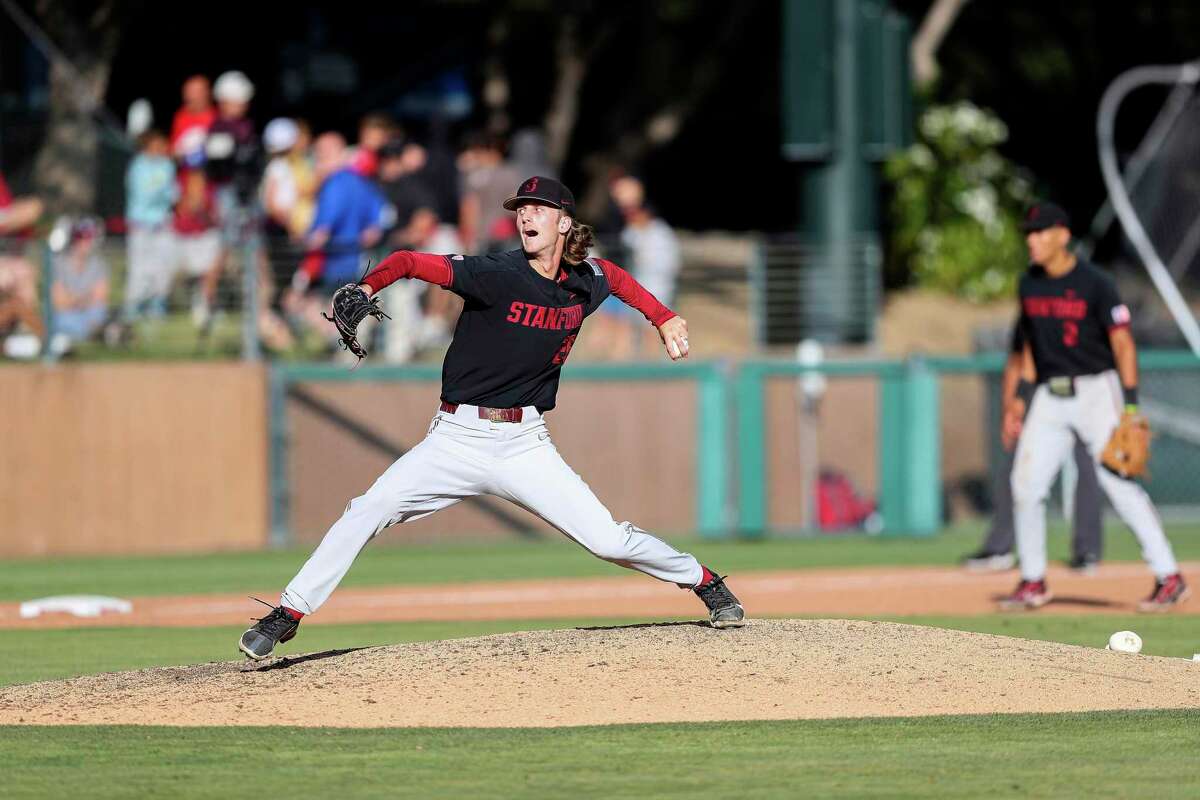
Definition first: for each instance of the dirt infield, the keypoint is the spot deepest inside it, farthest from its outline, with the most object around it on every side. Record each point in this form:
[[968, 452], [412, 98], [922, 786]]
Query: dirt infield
[[875, 591], [776, 669]]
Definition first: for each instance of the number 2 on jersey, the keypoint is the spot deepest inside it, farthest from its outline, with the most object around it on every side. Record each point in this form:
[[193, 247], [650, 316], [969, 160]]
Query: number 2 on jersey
[[1070, 333]]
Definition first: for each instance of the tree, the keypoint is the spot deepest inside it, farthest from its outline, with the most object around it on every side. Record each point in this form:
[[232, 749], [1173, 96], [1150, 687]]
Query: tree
[[82, 40]]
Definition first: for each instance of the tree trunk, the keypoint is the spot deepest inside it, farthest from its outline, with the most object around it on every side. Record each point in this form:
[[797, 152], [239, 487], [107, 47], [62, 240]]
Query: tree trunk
[[662, 127], [66, 166], [496, 88], [571, 67]]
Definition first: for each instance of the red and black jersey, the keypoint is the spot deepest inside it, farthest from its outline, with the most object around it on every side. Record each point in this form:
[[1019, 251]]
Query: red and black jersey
[[517, 326], [1067, 320]]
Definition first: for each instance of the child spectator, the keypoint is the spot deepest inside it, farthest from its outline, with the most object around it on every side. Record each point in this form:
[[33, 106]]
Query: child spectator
[[231, 151], [198, 243], [150, 191], [192, 121], [80, 289]]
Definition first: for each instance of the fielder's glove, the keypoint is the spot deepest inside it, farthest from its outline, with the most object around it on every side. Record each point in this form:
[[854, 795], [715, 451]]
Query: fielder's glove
[[350, 307], [1128, 448]]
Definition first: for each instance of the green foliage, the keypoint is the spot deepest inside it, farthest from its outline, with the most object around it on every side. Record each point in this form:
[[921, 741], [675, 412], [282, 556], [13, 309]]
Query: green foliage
[[957, 205]]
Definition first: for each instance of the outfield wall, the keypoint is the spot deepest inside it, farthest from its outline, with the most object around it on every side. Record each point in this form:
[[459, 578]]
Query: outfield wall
[[132, 458], [632, 432]]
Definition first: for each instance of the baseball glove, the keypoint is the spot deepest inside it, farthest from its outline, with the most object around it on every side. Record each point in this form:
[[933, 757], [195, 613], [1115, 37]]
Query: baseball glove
[[350, 307], [1128, 448]]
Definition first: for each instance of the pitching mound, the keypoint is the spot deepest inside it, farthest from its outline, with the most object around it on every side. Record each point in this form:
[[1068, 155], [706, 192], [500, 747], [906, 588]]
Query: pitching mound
[[772, 669]]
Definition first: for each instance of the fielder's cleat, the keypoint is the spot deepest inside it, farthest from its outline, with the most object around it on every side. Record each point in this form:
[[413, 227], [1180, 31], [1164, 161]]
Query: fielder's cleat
[[983, 561], [1168, 593], [1085, 564], [724, 610], [275, 628], [1028, 595]]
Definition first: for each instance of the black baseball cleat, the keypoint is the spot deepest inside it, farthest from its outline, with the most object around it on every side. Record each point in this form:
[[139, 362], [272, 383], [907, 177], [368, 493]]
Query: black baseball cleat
[[275, 628], [724, 610]]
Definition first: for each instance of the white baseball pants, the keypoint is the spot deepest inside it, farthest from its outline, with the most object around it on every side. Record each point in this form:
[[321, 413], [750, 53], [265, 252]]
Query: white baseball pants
[[463, 456], [1046, 439]]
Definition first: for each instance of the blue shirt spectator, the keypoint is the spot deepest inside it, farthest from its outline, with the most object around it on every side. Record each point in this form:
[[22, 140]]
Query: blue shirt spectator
[[349, 217], [150, 188]]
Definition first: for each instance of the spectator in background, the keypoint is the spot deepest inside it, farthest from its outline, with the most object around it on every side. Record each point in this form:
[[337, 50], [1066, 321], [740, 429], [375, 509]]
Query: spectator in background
[[300, 159], [283, 184], [440, 173], [374, 131], [18, 276], [653, 260], [349, 219], [198, 243], [79, 292], [231, 151], [189, 129], [422, 316], [527, 155], [487, 182], [150, 194]]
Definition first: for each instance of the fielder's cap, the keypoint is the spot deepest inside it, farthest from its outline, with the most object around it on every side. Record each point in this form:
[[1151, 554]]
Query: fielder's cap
[[1043, 216], [543, 190]]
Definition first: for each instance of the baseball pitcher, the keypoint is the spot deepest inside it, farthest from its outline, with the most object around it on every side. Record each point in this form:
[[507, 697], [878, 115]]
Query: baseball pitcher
[[522, 311]]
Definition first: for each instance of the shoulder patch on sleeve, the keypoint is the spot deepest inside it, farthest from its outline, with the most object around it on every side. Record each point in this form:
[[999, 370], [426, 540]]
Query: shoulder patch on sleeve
[[1121, 315], [594, 265], [456, 258]]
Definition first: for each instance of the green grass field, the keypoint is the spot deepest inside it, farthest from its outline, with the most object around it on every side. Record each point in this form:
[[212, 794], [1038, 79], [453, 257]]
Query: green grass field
[[1100, 754], [382, 565], [1147, 754]]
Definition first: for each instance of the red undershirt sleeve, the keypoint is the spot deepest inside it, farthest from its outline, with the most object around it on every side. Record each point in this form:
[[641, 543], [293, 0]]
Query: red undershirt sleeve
[[407, 264], [633, 294]]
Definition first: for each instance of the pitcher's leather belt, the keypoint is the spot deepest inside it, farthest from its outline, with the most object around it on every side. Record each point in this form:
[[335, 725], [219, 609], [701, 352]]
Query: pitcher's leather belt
[[491, 414]]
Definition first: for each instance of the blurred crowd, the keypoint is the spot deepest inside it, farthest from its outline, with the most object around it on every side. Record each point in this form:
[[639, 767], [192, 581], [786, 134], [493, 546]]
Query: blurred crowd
[[212, 200]]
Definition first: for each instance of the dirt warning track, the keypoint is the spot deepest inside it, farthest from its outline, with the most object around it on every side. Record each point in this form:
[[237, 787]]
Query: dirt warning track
[[680, 672], [871, 591]]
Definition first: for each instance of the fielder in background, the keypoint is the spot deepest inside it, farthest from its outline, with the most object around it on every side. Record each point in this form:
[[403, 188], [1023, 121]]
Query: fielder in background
[[522, 311], [996, 553], [1080, 370]]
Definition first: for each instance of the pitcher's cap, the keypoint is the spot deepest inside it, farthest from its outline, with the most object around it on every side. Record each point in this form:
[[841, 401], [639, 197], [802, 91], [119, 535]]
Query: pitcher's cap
[[543, 190]]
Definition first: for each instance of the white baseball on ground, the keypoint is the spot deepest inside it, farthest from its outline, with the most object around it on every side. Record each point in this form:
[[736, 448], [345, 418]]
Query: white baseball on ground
[[1125, 642]]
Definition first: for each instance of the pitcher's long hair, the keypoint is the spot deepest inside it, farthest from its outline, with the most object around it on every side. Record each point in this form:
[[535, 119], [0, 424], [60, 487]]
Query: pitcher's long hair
[[579, 241]]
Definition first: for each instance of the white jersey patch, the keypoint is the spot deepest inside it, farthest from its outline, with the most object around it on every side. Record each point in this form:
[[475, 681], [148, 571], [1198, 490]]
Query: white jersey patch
[[1121, 315]]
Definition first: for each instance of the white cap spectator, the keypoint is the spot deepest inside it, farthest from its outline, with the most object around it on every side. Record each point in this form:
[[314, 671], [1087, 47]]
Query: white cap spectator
[[233, 87], [280, 135], [139, 118]]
